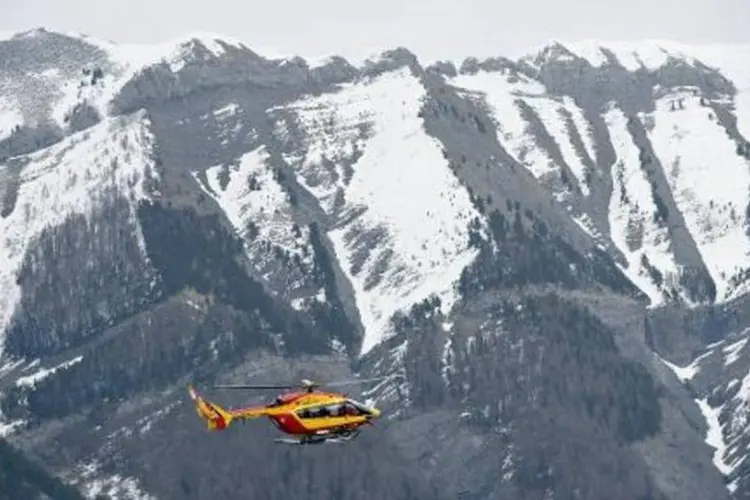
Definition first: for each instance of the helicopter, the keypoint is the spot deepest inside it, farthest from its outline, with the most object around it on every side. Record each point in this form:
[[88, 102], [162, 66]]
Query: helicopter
[[306, 415]]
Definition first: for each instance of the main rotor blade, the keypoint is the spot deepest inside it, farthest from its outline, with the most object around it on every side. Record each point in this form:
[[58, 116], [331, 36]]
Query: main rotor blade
[[354, 381], [305, 383], [250, 386]]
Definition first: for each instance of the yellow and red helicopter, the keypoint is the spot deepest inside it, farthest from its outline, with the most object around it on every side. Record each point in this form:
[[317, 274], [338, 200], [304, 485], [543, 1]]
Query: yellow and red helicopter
[[309, 416]]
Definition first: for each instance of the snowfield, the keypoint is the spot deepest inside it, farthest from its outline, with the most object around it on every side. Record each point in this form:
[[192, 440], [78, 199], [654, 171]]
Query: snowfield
[[403, 227]]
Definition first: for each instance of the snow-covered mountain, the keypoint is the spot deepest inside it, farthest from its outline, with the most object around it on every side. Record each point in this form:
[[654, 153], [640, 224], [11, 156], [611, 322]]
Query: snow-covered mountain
[[173, 212], [646, 146]]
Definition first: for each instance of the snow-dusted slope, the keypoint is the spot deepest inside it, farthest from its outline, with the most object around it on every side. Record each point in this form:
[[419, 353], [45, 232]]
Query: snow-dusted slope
[[730, 60], [720, 381], [257, 205], [632, 210], [262, 214], [399, 216], [506, 95], [78, 175], [46, 91], [85, 72], [709, 181], [10, 117], [645, 54]]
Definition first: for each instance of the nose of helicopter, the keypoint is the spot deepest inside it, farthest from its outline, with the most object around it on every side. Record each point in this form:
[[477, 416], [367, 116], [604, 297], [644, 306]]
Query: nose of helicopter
[[367, 410]]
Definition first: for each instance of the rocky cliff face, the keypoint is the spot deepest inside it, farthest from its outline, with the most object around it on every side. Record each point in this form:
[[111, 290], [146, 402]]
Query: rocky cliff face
[[529, 248]]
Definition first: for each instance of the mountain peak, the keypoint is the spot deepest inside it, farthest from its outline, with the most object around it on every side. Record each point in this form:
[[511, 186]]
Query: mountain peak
[[400, 56], [650, 54], [472, 65]]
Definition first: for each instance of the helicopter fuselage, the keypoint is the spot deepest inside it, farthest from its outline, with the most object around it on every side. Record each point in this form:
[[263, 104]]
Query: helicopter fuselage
[[315, 413]]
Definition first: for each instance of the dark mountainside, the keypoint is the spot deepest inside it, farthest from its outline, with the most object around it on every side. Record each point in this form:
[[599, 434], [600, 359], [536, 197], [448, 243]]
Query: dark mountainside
[[21, 479], [540, 383]]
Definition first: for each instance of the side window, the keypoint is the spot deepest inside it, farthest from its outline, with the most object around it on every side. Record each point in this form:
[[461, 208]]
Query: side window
[[336, 410], [315, 412]]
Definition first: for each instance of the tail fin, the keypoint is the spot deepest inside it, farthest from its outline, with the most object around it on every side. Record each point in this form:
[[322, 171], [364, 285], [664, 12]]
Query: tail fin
[[217, 418]]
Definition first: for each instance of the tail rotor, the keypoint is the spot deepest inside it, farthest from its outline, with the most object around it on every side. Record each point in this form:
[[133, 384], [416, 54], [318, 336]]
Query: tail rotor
[[216, 417]]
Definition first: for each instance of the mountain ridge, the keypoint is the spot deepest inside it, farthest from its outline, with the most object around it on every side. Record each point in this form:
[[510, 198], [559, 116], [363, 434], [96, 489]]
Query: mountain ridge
[[338, 71]]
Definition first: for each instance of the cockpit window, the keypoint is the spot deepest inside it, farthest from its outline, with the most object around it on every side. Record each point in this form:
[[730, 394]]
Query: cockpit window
[[362, 409]]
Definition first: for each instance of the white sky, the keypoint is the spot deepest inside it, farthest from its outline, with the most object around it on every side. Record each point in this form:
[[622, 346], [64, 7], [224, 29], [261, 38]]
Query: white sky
[[433, 29]]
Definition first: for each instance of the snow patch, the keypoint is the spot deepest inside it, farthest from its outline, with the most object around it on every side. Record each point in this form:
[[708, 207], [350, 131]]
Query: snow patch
[[146, 423], [500, 92], [551, 113], [114, 487], [631, 211], [714, 435], [257, 206], [10, 117], [9, 366], [6, 429], [583, 125], [229, 109], [31, 380], [732, 352], [685, 373], [448, 361], [588, 226], [338, 347], [389, 388], [175, 52], [709, 182], [731, 62], [742, 412], [648, 54], [81, 91]]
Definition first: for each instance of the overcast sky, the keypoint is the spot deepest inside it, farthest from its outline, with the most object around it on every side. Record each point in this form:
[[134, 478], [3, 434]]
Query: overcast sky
[[434, 29]]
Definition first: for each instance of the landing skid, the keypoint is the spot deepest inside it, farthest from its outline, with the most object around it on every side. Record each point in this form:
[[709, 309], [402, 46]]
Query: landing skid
[[341, 438], [289, 441]]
